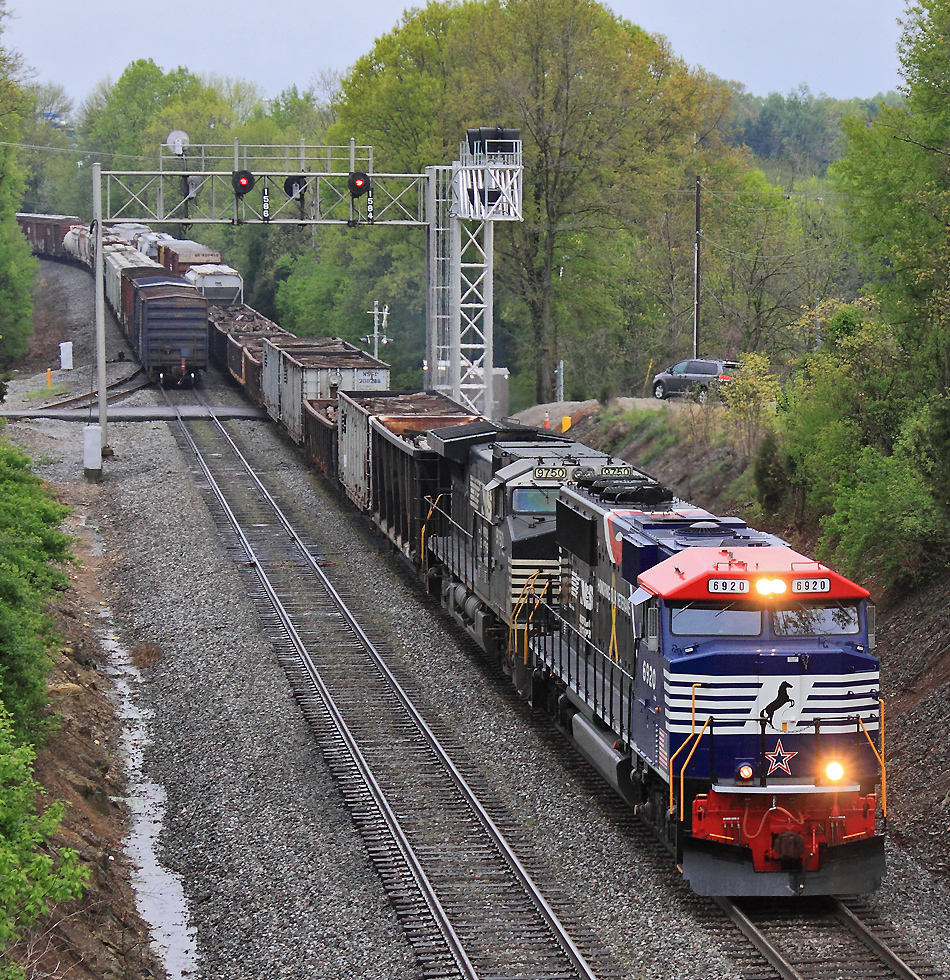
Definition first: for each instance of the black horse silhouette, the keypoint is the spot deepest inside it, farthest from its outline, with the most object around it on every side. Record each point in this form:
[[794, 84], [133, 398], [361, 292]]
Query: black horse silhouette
[[781, 699]]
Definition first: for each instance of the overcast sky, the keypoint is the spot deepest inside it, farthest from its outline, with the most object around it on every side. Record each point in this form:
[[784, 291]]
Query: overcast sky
[[842, 48]]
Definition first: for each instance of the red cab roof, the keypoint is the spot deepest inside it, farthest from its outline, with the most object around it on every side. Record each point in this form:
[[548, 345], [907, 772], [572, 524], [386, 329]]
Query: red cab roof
[[736, 573]]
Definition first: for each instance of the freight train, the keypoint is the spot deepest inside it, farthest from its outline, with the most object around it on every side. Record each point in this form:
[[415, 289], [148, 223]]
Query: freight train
[[163, 314], [723, 684]]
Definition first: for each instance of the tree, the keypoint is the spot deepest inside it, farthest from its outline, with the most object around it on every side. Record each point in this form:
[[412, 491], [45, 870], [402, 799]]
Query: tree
[[896, 176], [49, 157], [114, 120], [16, 263], [607, 115]]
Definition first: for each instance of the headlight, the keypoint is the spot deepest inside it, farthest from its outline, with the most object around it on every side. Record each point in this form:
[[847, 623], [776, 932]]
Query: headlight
[[745, 771], [834, 771], [771, 586]]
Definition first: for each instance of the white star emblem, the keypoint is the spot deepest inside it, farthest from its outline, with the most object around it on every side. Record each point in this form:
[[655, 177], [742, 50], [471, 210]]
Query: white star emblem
[[779, 759]]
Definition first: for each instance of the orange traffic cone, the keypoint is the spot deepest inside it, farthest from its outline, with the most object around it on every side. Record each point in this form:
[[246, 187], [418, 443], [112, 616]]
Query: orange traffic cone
[[547, 421]]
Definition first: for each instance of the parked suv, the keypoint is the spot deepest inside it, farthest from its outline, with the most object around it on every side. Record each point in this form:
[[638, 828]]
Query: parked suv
[[694, 377]]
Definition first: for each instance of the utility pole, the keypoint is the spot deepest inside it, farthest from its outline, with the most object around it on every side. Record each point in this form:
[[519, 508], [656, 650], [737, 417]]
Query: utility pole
[[100, 304], [696, 275], [375, 336]]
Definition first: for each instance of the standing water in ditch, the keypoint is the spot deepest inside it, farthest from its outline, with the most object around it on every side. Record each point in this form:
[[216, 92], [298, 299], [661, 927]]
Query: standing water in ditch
[[159, 893]]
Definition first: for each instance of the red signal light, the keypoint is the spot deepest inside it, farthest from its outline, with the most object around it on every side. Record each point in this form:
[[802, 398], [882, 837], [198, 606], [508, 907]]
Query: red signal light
[[242, 181], [358, 183]]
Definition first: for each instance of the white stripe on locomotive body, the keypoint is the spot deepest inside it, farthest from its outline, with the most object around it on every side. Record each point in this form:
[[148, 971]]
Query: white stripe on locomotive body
[[737, 703], [539, 574]]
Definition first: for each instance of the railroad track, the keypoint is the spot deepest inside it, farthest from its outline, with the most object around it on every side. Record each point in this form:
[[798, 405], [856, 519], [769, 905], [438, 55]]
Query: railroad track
[[818, 939], [469, 904], [468, 898], [119, 388]]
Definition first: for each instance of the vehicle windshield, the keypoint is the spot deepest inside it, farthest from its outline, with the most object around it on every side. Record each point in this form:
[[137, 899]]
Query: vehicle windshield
[[827, 619], [708, 619], [534, 500]]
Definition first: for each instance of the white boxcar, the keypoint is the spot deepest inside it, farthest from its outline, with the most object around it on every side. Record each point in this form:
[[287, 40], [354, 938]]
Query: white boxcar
[[297, 369], [116, 258]]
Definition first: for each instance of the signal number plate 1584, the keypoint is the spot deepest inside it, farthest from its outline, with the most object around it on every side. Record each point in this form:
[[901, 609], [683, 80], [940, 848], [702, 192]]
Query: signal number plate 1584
[[728, 585]]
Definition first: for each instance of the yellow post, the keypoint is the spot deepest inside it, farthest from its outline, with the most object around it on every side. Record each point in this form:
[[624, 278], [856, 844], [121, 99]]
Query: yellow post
[[49, 377]]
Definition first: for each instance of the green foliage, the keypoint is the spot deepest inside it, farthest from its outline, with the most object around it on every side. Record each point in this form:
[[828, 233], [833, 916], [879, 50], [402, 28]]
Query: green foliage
[[116, 124], [897, 178], [750, 400], [30, 545], [32, 878], [16, 268], [886, 523], [48, 157], [16, 262]]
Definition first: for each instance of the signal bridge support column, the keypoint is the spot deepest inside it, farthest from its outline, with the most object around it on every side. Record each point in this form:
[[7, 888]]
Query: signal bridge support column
[[486, 186]]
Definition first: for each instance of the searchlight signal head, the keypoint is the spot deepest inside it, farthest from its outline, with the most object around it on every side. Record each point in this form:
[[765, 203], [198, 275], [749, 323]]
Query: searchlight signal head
[[242, 181], [358, 184]]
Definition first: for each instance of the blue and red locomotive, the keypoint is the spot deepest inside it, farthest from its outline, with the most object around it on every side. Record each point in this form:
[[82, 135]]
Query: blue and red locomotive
[[725, 686]]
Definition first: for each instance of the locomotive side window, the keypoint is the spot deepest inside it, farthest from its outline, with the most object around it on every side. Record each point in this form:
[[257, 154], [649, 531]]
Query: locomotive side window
[[830, 619], [711, 619], [652, 625], [534, 500]]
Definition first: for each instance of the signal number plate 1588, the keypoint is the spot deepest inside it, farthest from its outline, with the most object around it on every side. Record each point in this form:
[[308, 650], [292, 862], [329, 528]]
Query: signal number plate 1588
[[728, 585]]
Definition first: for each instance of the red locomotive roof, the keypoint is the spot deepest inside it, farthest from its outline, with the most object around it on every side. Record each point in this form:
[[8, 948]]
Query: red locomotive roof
[[743, 573]]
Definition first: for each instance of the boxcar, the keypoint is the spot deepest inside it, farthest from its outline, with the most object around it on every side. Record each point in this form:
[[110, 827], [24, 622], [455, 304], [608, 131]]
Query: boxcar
[[169, 328], [178, 255], [219, 284], [46, 232]]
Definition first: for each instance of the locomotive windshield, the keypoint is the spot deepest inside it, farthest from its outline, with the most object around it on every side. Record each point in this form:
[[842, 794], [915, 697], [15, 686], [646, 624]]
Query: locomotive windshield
[[534, 500], [713, 619], [791, 619], [830, 619]]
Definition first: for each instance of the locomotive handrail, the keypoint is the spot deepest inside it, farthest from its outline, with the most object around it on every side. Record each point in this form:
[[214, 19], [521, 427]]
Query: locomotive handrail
[[516, 612], [540, 598], [699, 738], [879, 756], [695, 738]]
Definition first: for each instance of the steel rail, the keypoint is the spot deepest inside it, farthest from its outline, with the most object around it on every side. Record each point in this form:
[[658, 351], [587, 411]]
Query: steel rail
[[755, 936], [877, 945], [405, 848], [841, 914], [112, 391]]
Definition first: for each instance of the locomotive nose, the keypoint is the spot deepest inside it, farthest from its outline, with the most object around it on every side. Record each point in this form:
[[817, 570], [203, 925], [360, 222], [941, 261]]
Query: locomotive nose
[[789, 846]]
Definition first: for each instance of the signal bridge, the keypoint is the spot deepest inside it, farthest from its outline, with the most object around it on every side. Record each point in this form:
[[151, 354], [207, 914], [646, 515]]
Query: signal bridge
[[307, 185]]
